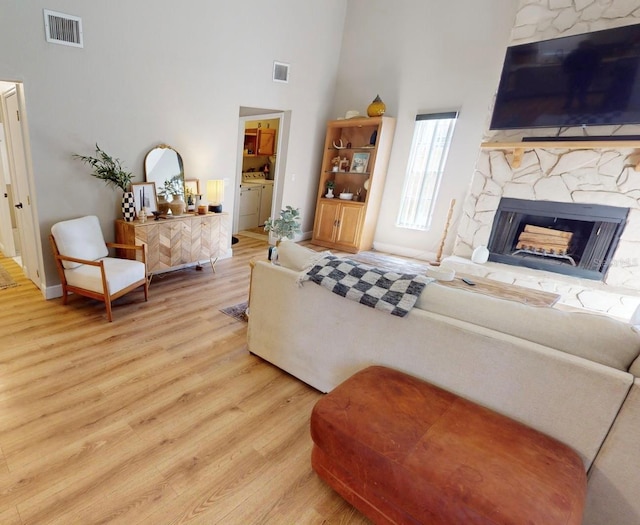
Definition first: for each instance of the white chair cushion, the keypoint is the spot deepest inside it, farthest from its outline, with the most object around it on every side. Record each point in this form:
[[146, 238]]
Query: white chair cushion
[[81, 238], [120, 274]]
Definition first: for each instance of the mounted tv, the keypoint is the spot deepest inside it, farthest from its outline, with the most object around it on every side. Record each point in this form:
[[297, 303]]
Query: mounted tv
[[592, 79]]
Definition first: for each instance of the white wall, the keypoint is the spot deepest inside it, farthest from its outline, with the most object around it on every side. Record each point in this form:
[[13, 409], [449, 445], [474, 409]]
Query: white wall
[[155, 71], [423, 56]]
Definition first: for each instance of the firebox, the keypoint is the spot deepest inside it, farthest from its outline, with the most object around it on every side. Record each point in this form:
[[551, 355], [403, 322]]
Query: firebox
[[566, 238]]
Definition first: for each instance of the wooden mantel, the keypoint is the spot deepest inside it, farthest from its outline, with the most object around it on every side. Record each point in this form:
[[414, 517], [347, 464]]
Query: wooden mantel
[[519, 148]]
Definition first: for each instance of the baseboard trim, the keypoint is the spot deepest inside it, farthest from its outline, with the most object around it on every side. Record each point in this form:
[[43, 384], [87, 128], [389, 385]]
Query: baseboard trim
[[52, 292], [404, 252]]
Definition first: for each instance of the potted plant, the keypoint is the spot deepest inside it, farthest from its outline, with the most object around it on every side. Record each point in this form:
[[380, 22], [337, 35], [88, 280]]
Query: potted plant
[[111, 171], [173, 187], [286, 226], [330, 185]]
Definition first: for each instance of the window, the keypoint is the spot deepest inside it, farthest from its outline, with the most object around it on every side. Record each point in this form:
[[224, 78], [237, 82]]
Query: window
[[431, 139]]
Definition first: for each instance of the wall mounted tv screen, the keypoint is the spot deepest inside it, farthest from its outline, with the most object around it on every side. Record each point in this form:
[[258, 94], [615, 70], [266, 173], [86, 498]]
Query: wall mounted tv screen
[[590, 79]]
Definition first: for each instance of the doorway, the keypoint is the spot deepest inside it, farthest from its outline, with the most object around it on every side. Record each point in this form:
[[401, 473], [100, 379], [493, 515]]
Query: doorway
[[262, 139], [18, 225]]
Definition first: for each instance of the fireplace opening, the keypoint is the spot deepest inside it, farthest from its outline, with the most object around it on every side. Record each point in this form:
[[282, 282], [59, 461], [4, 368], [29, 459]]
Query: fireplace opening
[[566, 238]]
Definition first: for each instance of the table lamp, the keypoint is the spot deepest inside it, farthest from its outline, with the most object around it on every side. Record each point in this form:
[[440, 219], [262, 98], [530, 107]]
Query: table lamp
[[215, 194]]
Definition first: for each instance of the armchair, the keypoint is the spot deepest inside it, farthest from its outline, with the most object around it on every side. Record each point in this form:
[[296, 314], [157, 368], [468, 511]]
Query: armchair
[[85, 268]]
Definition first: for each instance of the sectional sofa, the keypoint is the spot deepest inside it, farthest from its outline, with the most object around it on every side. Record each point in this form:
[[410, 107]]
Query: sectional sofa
[[571, 375]]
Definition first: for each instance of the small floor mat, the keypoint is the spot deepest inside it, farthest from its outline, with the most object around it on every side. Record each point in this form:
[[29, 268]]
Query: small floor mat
[[237, 311], [5, 279]]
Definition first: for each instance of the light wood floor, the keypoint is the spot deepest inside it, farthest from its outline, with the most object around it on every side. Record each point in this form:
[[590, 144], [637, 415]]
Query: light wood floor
[[160, 417]]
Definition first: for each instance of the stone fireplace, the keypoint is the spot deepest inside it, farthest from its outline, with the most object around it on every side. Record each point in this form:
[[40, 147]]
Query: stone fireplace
[[603, 175], [566, 238], [587, 177]]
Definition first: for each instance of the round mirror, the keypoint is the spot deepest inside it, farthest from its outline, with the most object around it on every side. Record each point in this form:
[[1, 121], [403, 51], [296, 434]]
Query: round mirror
[[163, 166]]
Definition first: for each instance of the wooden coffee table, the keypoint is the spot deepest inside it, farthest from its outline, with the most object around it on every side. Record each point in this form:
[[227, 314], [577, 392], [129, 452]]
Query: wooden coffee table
[[501, 290]]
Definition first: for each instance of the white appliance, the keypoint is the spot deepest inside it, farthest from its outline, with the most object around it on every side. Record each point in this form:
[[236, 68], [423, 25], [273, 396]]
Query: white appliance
[[256, 195], [249, 206], [265, 202]]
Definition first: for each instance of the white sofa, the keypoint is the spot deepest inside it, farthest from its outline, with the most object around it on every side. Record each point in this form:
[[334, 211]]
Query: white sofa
[[568, 374]]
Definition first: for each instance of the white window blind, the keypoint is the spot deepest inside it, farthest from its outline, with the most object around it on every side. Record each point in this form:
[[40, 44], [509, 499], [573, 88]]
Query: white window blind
[[431, 140]]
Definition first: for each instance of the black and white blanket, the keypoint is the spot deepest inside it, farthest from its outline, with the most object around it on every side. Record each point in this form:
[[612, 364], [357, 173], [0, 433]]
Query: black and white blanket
[[391, 292]]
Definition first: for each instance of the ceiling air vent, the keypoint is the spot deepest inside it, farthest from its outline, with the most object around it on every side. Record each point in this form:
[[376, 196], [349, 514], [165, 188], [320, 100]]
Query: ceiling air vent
[[280, 72], [63, 29]]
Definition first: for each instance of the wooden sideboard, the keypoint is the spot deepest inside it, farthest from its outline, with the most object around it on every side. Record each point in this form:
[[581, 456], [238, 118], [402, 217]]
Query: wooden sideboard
[[179, 242]]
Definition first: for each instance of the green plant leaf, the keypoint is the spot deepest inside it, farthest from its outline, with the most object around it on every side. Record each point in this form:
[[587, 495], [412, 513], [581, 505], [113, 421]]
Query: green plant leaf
[[108, 169]]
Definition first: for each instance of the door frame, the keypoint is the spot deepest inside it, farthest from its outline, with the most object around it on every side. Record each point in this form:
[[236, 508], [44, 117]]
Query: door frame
[[248, 114], [7, 245], [27, 224]]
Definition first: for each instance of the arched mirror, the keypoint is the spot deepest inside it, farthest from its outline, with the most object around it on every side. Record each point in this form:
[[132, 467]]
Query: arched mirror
[[163, 166]]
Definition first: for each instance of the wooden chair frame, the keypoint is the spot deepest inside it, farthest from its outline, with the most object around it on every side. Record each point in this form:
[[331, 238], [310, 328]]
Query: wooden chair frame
[[106, 297]]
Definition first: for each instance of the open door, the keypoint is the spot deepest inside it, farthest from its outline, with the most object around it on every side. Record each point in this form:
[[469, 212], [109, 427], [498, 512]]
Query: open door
[[251, 157], [7, 221], [20, 188]]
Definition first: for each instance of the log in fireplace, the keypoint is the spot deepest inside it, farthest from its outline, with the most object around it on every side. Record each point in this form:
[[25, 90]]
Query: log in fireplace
[[566, 238]]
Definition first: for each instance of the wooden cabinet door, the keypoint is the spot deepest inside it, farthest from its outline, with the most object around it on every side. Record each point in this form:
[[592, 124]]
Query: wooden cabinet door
[[171, 235], [266, 141], [349, 225], [326, 220]]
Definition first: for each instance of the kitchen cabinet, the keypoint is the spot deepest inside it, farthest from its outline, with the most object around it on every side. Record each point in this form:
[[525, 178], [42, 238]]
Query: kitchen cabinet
[[355, 160], [179, 242], [259, 142]]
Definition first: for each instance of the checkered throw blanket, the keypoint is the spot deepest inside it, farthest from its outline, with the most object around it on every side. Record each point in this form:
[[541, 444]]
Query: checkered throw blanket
[[390, 292]]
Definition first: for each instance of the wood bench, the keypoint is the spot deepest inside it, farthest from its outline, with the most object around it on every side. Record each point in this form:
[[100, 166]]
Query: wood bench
[[404, 451]]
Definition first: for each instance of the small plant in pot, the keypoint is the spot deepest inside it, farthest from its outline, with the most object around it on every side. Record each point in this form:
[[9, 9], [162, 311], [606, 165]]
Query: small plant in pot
[[330, 185], [286, 226], [110, 170]]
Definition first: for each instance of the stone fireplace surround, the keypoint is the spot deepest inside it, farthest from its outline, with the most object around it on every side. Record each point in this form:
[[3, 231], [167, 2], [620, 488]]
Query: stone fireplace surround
[[598, 175]]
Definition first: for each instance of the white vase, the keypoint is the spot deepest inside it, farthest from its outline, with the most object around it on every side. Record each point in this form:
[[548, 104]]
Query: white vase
[[329, 194], [480, 255]]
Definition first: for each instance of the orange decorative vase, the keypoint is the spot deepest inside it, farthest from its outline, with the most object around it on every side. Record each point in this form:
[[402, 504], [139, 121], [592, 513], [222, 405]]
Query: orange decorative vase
[[376, 108]]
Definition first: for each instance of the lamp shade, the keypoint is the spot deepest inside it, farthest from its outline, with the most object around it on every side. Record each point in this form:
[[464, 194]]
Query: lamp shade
[[215, 195]]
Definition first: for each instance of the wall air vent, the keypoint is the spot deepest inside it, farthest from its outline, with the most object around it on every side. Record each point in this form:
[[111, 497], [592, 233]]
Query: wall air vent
[[63, 29], [280, 72]]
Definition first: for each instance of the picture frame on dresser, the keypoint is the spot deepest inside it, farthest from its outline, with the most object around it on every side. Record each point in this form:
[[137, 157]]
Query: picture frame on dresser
[[192, 185], [144, 195]]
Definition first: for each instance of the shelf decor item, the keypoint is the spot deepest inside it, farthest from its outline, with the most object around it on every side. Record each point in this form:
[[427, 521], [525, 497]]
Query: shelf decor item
[[330, 186], [110, 170], [359, 162], [376, 108]]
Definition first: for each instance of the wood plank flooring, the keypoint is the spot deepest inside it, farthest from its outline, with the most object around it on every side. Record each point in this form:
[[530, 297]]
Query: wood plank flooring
[[161, 417]]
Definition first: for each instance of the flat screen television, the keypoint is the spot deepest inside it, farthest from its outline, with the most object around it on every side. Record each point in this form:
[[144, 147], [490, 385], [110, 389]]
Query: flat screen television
[[592, 79]]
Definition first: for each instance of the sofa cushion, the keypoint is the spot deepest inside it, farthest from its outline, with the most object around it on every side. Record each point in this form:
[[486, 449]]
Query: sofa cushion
[[595, 337], [298, 258]]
